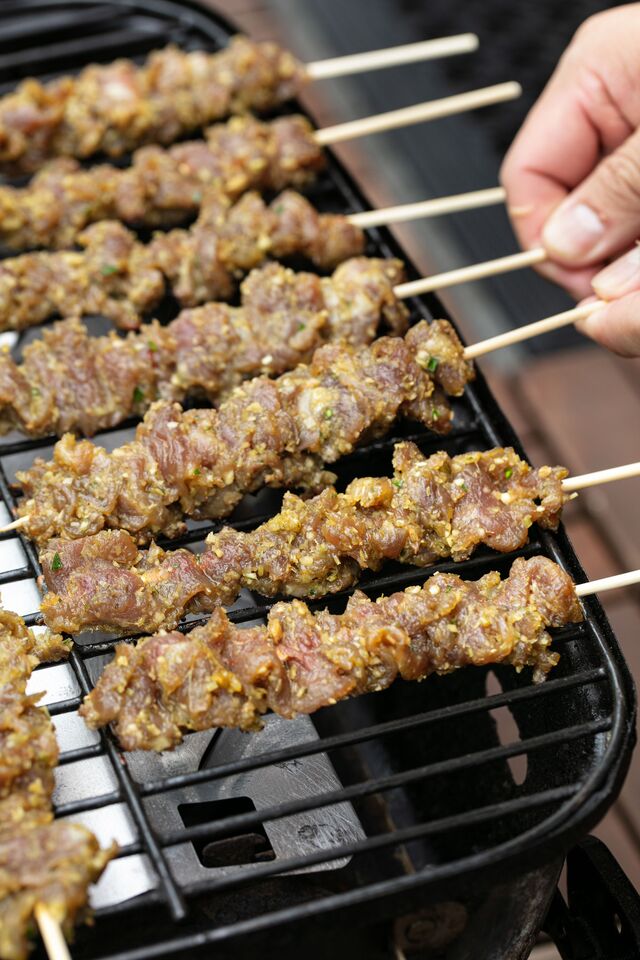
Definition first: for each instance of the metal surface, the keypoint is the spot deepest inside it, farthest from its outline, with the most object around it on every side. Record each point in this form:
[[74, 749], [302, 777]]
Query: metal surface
[[410, 795]]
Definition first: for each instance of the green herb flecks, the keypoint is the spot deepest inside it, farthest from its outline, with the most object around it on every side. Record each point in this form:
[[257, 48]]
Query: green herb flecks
[[138, 394], [108, 269], [56, 563], [432, 364], [508, 473]]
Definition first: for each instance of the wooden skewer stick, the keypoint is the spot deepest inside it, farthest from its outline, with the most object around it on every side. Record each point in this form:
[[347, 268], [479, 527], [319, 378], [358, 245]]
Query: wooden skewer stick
[[608, 583], [418, 113], [489, 268], [428, 208], [392, 56], [531, 330], [15, 524], [51, 933], [601, 476]]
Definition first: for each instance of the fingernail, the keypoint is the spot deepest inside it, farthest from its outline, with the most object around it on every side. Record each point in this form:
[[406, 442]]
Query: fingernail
[[572, 231], [620, 277]]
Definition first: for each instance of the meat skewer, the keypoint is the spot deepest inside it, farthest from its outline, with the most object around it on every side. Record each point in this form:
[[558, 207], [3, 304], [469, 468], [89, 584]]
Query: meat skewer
[[46, 865], [98, 488], [69, 380], [432, 508], [116, 276], [122, 279], [163, 186], [114, 108], [277, 433], [220, 675]]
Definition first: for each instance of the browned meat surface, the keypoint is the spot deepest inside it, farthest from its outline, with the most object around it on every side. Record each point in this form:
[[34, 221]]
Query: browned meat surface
[[203, 262], [41, 861], [52, 863], [162, 185], [222, 675], [431, 508], [119, 106], [69, 380], [123, 280], [114, 275], [202, 462]]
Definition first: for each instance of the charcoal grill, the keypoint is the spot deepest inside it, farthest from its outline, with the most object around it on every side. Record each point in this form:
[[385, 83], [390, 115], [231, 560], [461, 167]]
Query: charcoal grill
[[413, 798]]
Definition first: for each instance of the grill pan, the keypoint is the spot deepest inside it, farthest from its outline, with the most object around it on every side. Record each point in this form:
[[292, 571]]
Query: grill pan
[[400, 798]]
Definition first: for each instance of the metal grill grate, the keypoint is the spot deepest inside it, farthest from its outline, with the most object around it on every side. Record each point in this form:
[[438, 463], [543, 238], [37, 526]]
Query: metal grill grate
[[427, 793]]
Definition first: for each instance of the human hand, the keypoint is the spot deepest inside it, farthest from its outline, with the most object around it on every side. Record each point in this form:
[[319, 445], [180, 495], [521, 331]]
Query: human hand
[[573, 174]]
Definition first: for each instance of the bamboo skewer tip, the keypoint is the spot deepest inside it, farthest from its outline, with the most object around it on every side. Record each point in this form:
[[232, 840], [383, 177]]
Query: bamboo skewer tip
[[15, 524], [51, 933]]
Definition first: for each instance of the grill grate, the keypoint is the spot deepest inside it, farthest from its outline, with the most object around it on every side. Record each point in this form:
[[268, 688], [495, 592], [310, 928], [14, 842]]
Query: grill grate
[[422, 769]]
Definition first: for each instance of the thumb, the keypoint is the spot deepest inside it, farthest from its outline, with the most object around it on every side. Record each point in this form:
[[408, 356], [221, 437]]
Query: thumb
[[601, 217]]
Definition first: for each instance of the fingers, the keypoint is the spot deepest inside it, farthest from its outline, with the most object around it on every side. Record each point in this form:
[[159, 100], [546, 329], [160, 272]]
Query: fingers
[[616, 326], [602, 215], [620, 277], [572, 175], [556, 148]]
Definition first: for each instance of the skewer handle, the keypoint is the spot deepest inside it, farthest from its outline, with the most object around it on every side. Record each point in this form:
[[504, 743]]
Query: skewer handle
[[392, 56], [418, 113], [608, 583], [428, 208], [531, 330], [490, 268], [601, 476], [51, 933]]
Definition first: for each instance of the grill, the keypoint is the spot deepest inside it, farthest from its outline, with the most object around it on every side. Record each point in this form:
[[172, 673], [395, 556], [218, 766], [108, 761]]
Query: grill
[[422, 794]]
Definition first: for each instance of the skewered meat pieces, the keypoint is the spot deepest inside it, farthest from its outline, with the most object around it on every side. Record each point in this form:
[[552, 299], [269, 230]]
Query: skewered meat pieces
[[69, 380], [114, 108], [220, 675], [48, 862], [279, 433], [122, 279], [162, 186], [42, 861], [431, 508]]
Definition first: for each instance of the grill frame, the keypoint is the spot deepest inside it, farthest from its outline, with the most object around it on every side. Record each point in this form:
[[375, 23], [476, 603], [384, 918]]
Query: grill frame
[[577, 809]]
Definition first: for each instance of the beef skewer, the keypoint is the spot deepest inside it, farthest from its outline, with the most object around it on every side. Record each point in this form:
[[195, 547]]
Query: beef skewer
[[221, 675], [46, 865], [69, 380], [116, 276], [432, 508], [122, 279], [98, 494], [114, 108], [277, 433], [164, 186]]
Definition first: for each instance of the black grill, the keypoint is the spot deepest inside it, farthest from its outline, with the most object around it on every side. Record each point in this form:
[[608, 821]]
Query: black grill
[[442, 805]]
